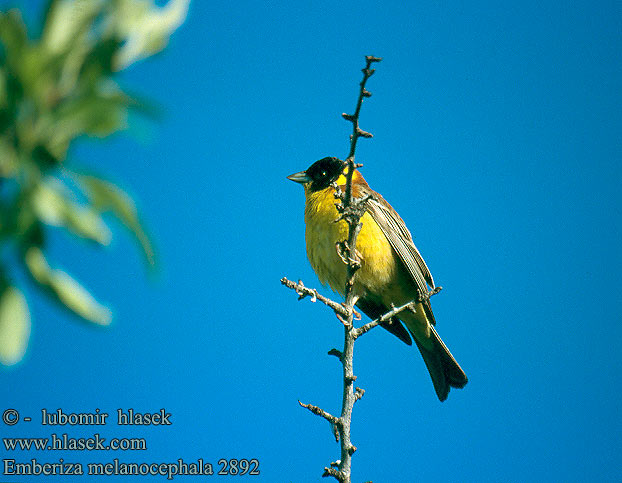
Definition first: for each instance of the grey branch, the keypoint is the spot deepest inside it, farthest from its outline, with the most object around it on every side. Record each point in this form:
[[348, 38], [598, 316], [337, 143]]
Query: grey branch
[[395, 311], [320, 412], [354, 118], [426, 296], [385, 317], [351, 210], [358, 394], [337, 474], [303, 292]]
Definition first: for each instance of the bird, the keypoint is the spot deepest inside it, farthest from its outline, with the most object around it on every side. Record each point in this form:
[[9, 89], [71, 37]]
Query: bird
[[392, 271]]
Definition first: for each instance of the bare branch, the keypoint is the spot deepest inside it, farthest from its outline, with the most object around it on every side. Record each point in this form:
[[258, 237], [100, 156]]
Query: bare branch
[[354, 118], [303, 292], [320, 412], [339, 475], [336, 433], [351, 211], [395, 311], [384, 318], [426, 296]]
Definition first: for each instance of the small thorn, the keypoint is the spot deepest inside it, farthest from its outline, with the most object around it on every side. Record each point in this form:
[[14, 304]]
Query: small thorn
[[335, 432], [337, 353], [342, 320]]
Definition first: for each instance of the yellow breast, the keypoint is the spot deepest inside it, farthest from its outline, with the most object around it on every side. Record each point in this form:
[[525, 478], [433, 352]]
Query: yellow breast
[[378, 262]]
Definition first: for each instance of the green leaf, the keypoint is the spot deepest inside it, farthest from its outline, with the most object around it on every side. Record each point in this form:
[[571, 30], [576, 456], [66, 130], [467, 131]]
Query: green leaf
[[64, 289], [8, 159], [13, 32], [68, 20], [13, 94], [78, 299], [146, 27], [106, 196], [98, 63], [52, 206], [4, 93], [14, 325], [93, 114]]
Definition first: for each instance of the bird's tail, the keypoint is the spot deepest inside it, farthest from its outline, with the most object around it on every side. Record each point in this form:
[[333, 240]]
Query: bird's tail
[[444, 370]]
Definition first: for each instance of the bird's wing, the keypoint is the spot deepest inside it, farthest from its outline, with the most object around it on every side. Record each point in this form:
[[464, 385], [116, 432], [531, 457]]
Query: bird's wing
[[401, 240]]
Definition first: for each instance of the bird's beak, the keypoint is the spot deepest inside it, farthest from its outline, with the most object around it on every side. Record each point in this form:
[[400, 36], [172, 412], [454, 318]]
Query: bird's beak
[[300, 177]]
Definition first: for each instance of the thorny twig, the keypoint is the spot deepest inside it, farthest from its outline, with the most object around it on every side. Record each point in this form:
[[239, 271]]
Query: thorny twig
[[303, 292], [351, 211], [394, 311]]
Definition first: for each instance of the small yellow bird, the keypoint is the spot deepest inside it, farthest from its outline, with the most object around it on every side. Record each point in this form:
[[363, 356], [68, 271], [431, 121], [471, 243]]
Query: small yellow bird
[[392, 270]]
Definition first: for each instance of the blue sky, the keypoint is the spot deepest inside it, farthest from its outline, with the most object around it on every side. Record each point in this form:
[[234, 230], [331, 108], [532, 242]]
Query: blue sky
[[497, 139]]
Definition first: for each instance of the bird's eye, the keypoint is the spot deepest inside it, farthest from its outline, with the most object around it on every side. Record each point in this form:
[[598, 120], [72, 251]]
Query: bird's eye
[[323, 173]]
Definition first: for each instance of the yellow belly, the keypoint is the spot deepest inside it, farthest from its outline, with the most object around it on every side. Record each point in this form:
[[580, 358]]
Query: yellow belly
[[381, 278], [379, 267]]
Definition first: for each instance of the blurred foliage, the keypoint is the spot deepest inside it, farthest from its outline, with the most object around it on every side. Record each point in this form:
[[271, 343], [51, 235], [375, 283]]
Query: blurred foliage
[[54, 89]]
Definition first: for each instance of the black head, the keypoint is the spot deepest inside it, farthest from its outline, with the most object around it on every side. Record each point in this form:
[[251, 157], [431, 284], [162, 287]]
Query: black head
[[320, 174]]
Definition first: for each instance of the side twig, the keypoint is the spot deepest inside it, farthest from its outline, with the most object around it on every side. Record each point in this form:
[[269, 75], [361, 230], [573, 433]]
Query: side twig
[[303, 292], [320, 412], [395, 311]]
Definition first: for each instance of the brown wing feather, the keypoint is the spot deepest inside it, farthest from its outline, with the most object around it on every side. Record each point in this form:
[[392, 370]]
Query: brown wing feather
[[401, 240]]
